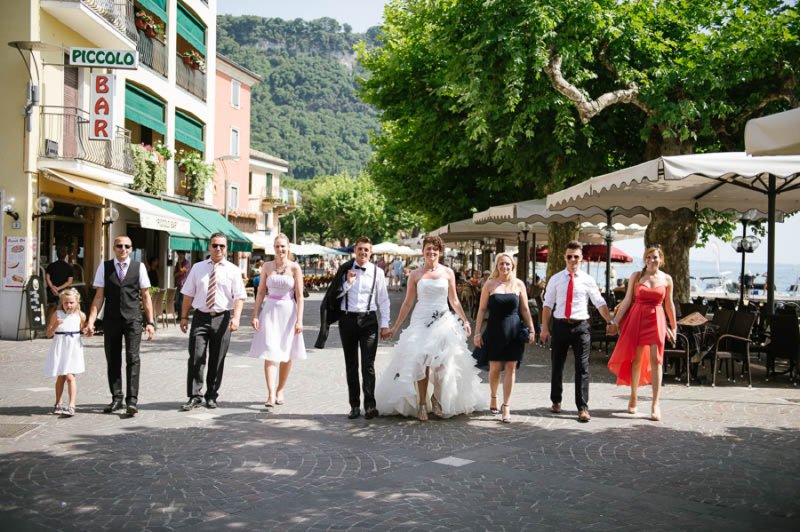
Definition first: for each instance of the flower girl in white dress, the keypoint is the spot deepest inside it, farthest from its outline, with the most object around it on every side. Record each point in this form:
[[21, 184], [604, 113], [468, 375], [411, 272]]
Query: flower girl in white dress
[[432, 348], [65, 358]]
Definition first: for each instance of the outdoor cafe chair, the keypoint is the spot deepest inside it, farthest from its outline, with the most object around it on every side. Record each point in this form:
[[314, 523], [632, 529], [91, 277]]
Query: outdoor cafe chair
[[169, 308], [679, 352], [735, 345], [783, 343], [157, 297]]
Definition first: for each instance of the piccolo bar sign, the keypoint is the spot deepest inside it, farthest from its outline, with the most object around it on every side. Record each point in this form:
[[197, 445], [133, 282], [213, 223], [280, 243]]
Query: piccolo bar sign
[[101, 58]]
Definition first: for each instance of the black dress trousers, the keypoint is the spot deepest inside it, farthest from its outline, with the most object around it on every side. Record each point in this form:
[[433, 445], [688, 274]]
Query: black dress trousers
[[360, 330]]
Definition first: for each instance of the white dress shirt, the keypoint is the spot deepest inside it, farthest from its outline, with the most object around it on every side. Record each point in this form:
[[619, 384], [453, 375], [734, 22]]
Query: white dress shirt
[[100, 280], [356, 295], [583, 289], [229, 285]]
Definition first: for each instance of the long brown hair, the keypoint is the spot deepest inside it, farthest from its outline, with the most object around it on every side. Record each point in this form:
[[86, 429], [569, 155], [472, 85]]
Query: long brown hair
[[653, 248]]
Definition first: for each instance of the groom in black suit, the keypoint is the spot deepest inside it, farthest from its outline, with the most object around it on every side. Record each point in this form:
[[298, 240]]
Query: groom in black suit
[[354, 298]]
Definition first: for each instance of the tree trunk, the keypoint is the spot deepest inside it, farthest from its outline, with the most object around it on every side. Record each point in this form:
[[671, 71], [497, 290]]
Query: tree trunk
[[676, 232], [558, 236]]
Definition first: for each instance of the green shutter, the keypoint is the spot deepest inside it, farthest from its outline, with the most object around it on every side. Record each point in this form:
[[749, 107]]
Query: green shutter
[[157, 7], [145, 109], [191, 29], [189, 131]]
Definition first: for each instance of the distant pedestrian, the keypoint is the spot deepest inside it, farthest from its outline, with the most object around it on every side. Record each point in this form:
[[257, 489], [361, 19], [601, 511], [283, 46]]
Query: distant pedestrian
[[182, 267], [396, 273], [122, 290], [152, 272], [65, 358], [215, 290], [278, 339], [58, 276], [567, 300]]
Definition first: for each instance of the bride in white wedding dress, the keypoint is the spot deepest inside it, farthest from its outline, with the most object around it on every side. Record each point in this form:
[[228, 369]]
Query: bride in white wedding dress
[[433, 348]]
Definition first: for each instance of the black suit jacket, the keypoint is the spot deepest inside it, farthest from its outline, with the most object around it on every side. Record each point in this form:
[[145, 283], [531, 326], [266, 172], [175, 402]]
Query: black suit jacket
[[331, 305]]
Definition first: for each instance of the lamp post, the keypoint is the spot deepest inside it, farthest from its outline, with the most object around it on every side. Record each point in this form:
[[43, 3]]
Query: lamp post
[[222, 159], [44, 206], [522, 257], [745, 244], [610, 234], [112, 215]]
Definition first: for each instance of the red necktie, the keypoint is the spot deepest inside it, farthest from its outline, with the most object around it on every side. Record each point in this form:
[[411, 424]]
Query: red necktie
[[570, 288]]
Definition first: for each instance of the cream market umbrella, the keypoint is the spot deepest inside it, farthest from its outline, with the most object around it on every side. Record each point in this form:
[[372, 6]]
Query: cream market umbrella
[[533, 211], [777, 134], [386, 248], [719, 181]]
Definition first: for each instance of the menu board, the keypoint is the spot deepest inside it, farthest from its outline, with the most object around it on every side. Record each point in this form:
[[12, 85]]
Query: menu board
[[14, 262]]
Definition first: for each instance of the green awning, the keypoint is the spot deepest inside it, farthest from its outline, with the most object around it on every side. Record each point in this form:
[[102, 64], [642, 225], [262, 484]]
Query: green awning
[[144, 109], [191, 29], [157, 7], [189, 131], [203, 223]]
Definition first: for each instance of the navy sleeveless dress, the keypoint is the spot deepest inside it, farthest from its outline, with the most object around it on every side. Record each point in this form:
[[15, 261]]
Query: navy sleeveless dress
[[502, 330]]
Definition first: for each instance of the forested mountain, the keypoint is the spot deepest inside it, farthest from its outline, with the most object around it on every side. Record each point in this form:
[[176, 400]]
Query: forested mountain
[[306, 109]]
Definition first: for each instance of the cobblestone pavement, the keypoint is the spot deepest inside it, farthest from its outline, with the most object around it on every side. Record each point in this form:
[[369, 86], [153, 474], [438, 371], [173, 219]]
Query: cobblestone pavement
[[724, 457]]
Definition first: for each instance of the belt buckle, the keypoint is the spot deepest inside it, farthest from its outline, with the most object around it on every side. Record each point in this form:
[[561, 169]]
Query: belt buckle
[[213, 314]]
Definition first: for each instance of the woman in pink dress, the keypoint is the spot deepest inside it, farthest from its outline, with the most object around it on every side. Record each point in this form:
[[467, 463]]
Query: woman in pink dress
[[278, 339], [643, 330]]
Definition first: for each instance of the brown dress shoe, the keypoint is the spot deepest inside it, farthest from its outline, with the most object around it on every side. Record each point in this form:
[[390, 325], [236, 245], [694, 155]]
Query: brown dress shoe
[[556, 408], [583, 416]]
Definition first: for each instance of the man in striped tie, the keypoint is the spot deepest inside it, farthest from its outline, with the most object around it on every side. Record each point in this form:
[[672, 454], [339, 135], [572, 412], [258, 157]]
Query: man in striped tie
[[569, 292], [214, 289]]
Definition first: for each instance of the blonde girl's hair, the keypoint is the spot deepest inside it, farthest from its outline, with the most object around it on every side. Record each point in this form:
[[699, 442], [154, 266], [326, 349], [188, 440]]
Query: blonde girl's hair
[[290, 255], [496, 273], [69, 292], [655, 248]]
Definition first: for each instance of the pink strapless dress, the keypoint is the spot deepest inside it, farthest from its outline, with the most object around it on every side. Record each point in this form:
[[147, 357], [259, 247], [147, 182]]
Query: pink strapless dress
[[644, 324]]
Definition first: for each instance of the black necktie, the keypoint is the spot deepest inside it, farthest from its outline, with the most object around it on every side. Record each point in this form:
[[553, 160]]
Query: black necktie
[[362, 268]]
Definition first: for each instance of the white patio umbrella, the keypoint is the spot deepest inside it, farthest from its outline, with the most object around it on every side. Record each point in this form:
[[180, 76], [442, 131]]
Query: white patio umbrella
[[314, 249], [536, 211], [777, 134], [719, 181], [385, 247]]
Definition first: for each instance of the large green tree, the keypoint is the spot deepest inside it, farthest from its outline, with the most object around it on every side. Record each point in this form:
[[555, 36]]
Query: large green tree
[[341, 207], [491, 101]]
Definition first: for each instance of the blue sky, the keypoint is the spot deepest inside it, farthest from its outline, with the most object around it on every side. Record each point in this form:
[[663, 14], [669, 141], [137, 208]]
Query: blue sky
[[361, 14]]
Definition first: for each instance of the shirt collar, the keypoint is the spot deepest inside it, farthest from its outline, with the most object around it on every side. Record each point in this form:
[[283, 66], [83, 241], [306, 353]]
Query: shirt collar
[[126, 262]]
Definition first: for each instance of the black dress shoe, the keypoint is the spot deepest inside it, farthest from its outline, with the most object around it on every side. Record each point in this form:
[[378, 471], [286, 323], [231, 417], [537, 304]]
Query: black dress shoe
[[113, 406], [132, 410], [371, 413], [192, 403], [210, 403], [354, 413]]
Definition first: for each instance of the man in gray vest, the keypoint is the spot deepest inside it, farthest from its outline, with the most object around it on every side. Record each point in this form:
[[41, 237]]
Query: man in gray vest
[[122, 284]]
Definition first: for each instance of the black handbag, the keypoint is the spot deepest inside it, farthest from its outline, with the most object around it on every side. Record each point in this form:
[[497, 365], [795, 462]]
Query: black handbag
[[523, 333]]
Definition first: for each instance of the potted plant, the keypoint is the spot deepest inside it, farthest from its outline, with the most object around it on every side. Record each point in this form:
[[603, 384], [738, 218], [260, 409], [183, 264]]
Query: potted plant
[[142, 20], [193, 59], [198, 172]]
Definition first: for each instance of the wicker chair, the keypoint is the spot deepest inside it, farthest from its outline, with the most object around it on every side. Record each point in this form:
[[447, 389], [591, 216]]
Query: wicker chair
[[783, 343], [735, 346]]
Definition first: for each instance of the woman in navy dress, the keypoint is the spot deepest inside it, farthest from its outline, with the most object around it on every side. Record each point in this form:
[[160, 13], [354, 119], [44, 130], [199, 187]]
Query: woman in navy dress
[[504, 296]]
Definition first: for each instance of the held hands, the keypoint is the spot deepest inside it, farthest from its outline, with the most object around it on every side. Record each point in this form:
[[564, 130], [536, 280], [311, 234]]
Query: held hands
[[89, 329], [387, 333], [612, 329]]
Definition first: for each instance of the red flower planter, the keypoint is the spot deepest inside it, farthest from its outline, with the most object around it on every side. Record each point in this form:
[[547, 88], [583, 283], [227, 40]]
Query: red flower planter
[[140, 24], [150, 32]]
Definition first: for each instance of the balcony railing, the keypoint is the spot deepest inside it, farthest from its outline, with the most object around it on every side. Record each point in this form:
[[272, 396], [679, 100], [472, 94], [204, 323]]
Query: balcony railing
[[190, 78], [281, 200], [65, 136], [152, 53], [118, 12]]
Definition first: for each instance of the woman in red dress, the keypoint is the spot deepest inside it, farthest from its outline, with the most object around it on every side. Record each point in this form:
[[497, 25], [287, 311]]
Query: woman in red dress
[[644, 329]]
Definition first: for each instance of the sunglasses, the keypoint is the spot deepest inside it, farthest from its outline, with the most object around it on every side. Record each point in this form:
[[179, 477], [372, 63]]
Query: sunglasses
[[123, 246], [576, 257], [218, 246]]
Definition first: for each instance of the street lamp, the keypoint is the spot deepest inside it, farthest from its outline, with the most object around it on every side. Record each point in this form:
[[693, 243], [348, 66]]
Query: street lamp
[[609, 233], [222, 159], [522, 257], [745, 244]]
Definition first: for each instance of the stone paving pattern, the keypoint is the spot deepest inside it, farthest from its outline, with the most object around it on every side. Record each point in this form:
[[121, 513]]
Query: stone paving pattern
[[725, 457]]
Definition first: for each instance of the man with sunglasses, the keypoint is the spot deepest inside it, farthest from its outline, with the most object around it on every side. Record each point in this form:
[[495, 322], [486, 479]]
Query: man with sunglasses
[[569, 292], [121, 287], [215, 290]]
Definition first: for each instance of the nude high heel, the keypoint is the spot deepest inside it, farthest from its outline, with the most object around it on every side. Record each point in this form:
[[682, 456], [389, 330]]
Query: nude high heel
[[422, 412]]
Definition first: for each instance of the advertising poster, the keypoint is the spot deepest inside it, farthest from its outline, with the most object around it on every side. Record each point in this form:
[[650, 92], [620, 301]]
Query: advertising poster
[[14, 263]]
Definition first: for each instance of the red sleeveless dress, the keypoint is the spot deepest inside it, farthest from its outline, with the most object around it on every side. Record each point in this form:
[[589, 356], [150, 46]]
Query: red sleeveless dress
[[644, 324]]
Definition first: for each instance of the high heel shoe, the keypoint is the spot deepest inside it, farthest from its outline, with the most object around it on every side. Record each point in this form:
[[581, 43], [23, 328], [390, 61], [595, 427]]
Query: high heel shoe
[[422, 412], [656, 414], [506, 414], [437, 407], [631, 408], [493, 409]]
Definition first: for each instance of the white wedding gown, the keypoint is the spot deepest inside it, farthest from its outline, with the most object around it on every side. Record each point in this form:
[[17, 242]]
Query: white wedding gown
[[435, 338]]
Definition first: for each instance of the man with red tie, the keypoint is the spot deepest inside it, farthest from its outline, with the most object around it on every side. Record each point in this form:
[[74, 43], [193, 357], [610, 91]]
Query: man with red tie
[[569, 292]]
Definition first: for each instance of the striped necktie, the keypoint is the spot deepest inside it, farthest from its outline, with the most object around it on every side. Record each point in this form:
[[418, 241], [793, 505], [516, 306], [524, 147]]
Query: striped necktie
[[211, 295]]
